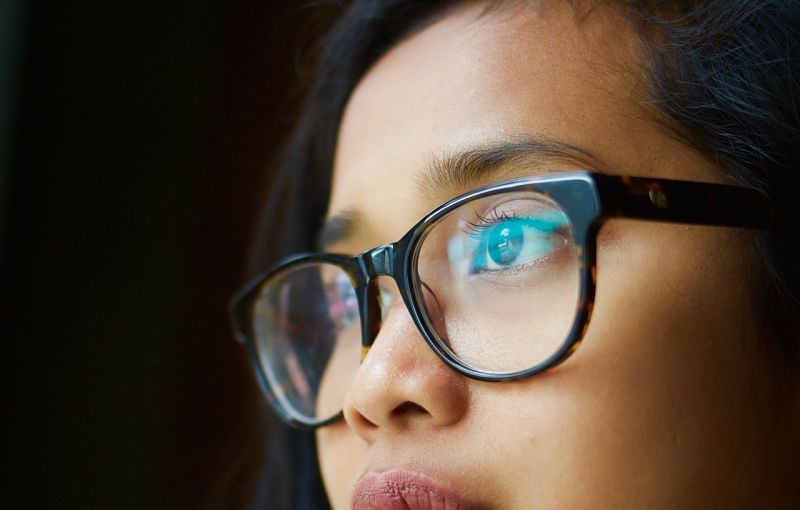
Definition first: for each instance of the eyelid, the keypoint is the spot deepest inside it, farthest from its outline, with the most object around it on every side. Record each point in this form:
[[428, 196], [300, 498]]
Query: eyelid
[[530, 199]]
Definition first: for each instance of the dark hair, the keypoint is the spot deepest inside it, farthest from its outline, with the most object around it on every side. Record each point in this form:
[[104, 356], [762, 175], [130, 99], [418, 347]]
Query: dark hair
[[723, 78]]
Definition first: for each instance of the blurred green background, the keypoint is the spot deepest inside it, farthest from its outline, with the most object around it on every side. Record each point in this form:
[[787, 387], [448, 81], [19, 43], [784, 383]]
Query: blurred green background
[[135, 145]]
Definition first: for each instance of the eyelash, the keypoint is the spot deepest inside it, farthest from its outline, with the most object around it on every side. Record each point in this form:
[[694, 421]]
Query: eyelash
[[476, 228]]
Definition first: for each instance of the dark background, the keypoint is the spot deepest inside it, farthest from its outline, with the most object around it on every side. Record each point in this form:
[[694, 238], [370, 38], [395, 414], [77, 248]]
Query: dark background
[[135, 146]]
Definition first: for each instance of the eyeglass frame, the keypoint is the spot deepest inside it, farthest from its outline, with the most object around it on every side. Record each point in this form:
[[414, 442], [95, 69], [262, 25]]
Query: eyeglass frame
[[613, 196]]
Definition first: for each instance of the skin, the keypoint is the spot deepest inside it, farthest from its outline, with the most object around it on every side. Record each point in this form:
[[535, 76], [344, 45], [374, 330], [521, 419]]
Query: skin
[[669, 402]]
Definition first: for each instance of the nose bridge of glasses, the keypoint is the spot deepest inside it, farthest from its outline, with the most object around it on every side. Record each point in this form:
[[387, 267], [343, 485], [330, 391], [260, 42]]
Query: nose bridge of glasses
[[374, 263], [378, 262]]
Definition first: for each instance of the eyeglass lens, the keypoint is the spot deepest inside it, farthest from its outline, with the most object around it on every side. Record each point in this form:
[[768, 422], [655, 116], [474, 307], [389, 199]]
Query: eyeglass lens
[[308, 338], [500, 281]]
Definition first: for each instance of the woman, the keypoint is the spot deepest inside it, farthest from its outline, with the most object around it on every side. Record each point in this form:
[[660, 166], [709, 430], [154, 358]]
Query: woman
[[443, 371]]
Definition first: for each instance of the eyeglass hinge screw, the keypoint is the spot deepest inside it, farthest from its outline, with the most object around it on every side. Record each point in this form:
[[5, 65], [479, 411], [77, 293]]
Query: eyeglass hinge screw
[[659, 198]]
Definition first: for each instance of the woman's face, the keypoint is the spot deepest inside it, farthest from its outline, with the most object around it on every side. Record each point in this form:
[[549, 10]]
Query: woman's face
[[662, 406]]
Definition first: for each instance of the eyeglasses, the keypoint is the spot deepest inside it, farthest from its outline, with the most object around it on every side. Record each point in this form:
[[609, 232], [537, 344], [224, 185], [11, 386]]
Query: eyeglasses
[[500, 283]]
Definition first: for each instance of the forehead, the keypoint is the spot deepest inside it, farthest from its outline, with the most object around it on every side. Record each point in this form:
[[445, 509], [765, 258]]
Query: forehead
[[475, 78]]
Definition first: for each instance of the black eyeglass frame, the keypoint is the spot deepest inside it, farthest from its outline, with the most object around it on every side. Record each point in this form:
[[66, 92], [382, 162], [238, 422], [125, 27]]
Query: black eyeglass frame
[[587, 198]]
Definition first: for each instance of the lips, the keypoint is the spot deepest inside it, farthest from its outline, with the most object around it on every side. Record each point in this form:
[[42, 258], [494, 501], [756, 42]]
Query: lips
[[404, 490]]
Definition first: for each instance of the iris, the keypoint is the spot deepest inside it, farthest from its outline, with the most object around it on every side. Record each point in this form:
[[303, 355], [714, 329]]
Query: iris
[[505, 242]]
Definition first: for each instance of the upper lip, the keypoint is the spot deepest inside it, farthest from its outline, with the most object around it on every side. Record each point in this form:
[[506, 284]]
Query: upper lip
[[399, 489]]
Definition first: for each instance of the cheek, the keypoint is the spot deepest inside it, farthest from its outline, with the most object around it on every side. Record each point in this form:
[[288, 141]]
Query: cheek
[[663, 396], [670, 359], [675, 292]]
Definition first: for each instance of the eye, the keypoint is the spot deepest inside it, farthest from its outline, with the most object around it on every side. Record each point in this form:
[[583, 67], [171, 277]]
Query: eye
[[508, 241]]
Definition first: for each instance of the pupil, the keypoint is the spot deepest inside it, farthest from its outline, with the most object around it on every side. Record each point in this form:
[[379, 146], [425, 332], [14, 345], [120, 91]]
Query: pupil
[[505, 243]]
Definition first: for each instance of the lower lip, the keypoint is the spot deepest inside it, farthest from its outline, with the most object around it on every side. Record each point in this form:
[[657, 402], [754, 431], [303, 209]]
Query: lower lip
[[403, 490]]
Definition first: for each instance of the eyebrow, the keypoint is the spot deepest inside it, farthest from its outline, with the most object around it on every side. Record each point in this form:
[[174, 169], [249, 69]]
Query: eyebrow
[[338, 227], [447, 173]]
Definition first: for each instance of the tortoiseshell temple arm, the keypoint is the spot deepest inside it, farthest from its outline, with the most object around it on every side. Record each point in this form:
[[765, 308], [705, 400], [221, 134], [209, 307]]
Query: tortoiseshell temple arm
[[683, 202]]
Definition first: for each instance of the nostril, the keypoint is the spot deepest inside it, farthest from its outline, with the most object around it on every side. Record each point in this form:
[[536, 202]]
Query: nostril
[[409, 408], [358, 420]]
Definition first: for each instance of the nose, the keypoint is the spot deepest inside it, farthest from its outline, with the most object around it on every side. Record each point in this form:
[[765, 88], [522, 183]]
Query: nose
[[401, 384]]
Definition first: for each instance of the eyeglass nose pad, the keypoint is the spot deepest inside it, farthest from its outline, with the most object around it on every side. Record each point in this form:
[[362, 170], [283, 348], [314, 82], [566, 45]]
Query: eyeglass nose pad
[[371, 316], [434, 312], [385, 301]]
